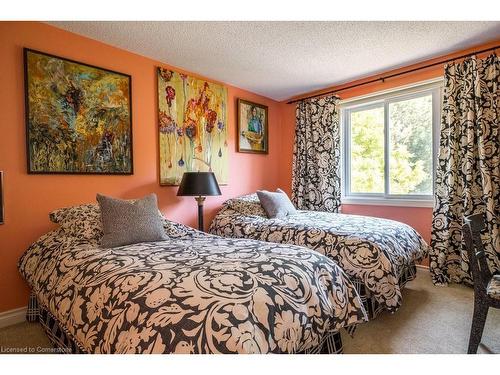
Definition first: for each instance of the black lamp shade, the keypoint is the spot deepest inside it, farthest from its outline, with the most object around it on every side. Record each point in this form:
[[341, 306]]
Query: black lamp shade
[[198, 184]]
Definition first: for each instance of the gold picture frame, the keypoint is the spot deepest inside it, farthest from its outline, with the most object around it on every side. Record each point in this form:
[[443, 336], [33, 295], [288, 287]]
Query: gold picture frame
[[253, 127]]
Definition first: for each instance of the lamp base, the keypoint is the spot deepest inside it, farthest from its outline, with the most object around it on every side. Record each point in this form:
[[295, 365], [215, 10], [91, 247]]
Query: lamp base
[[200, 201]]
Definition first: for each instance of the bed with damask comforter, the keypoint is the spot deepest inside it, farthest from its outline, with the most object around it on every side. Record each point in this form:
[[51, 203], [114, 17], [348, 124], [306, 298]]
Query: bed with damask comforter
[[378, 254], [192, 293]]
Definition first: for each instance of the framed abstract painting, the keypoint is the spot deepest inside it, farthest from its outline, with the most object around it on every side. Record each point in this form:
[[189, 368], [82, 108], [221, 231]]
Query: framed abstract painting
[[192, 125], [252, 127], [78, 117]]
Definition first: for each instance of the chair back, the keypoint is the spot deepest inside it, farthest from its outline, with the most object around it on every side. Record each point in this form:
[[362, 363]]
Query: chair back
[[481, 275]]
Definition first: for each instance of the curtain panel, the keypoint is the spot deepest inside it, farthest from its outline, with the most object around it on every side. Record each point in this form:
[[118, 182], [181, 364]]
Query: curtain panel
[[467, 174], [316, 155]]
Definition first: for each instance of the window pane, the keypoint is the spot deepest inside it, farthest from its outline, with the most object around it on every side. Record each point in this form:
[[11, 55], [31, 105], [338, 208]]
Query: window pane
[[410, 146], [367, 151]]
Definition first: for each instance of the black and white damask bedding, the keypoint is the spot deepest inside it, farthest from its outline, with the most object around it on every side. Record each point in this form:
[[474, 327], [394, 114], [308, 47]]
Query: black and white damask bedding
[[379, 254], [192, 293]]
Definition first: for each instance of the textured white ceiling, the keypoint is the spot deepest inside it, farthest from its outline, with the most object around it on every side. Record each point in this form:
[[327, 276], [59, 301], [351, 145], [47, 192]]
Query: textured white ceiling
[[283, 59]]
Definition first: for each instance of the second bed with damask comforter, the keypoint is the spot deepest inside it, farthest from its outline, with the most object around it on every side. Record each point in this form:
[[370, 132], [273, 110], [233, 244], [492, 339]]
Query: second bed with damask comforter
[[378, 254], [192, 293]]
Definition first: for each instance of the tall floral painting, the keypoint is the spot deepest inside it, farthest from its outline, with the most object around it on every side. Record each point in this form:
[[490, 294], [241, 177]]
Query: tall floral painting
[[192, 122], [78, 117]]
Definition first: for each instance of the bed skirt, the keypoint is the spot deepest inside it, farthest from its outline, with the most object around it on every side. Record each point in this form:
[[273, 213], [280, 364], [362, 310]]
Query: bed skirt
[[63, 342], [374, 308]]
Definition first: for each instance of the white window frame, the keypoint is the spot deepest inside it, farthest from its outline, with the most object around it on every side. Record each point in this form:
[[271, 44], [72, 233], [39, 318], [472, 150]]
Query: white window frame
[[383, 99]]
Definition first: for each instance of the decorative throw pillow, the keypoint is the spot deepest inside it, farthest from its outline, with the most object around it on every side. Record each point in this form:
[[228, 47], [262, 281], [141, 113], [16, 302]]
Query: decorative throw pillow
[[247, 204], [276, 204], [125, 222], [82, 221]]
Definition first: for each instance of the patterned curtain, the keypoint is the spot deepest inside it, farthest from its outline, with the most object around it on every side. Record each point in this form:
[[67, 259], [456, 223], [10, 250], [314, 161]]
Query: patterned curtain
[[316, 155], [468, 170]]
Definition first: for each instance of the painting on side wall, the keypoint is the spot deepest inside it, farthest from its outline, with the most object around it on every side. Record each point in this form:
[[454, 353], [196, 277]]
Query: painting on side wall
[[1, 198], [252, 127], [192, 122], [78, 117]]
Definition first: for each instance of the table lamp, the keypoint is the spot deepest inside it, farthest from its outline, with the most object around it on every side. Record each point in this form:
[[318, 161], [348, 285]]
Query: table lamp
[[199, 185]]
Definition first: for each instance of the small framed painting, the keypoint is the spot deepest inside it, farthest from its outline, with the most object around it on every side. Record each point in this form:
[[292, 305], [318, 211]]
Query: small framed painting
[[78, 117], [252, 127]]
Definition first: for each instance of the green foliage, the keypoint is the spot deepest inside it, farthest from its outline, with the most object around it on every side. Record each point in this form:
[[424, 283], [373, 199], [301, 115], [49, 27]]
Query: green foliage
[[410, 132], [411, 146], [367, 151]]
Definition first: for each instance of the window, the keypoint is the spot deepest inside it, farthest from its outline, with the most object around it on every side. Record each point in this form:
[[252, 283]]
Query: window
[[389, 147]]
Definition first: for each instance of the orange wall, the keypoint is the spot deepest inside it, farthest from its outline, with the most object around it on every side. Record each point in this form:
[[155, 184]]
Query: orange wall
[[29, 198], [418, 217]]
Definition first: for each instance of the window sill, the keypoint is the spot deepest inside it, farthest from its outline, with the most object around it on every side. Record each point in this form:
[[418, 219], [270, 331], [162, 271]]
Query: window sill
[[389, 202]]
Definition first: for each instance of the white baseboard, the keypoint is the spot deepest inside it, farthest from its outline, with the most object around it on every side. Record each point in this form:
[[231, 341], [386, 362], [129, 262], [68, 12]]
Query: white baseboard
[[11, 317], [422, 267]]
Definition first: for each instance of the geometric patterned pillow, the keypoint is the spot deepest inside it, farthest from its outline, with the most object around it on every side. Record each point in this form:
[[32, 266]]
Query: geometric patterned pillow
[[82, 221], [247, 205], [127, 223]]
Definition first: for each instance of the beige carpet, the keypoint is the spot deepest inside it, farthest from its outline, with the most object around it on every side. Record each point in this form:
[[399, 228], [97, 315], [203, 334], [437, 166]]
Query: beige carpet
[[431, 320]]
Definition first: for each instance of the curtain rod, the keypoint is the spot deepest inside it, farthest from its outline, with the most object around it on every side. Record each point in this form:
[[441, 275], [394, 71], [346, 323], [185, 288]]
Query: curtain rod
[[383, 78]]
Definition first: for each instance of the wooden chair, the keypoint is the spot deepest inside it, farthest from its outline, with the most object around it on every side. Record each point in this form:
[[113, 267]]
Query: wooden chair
[[486, 285]]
